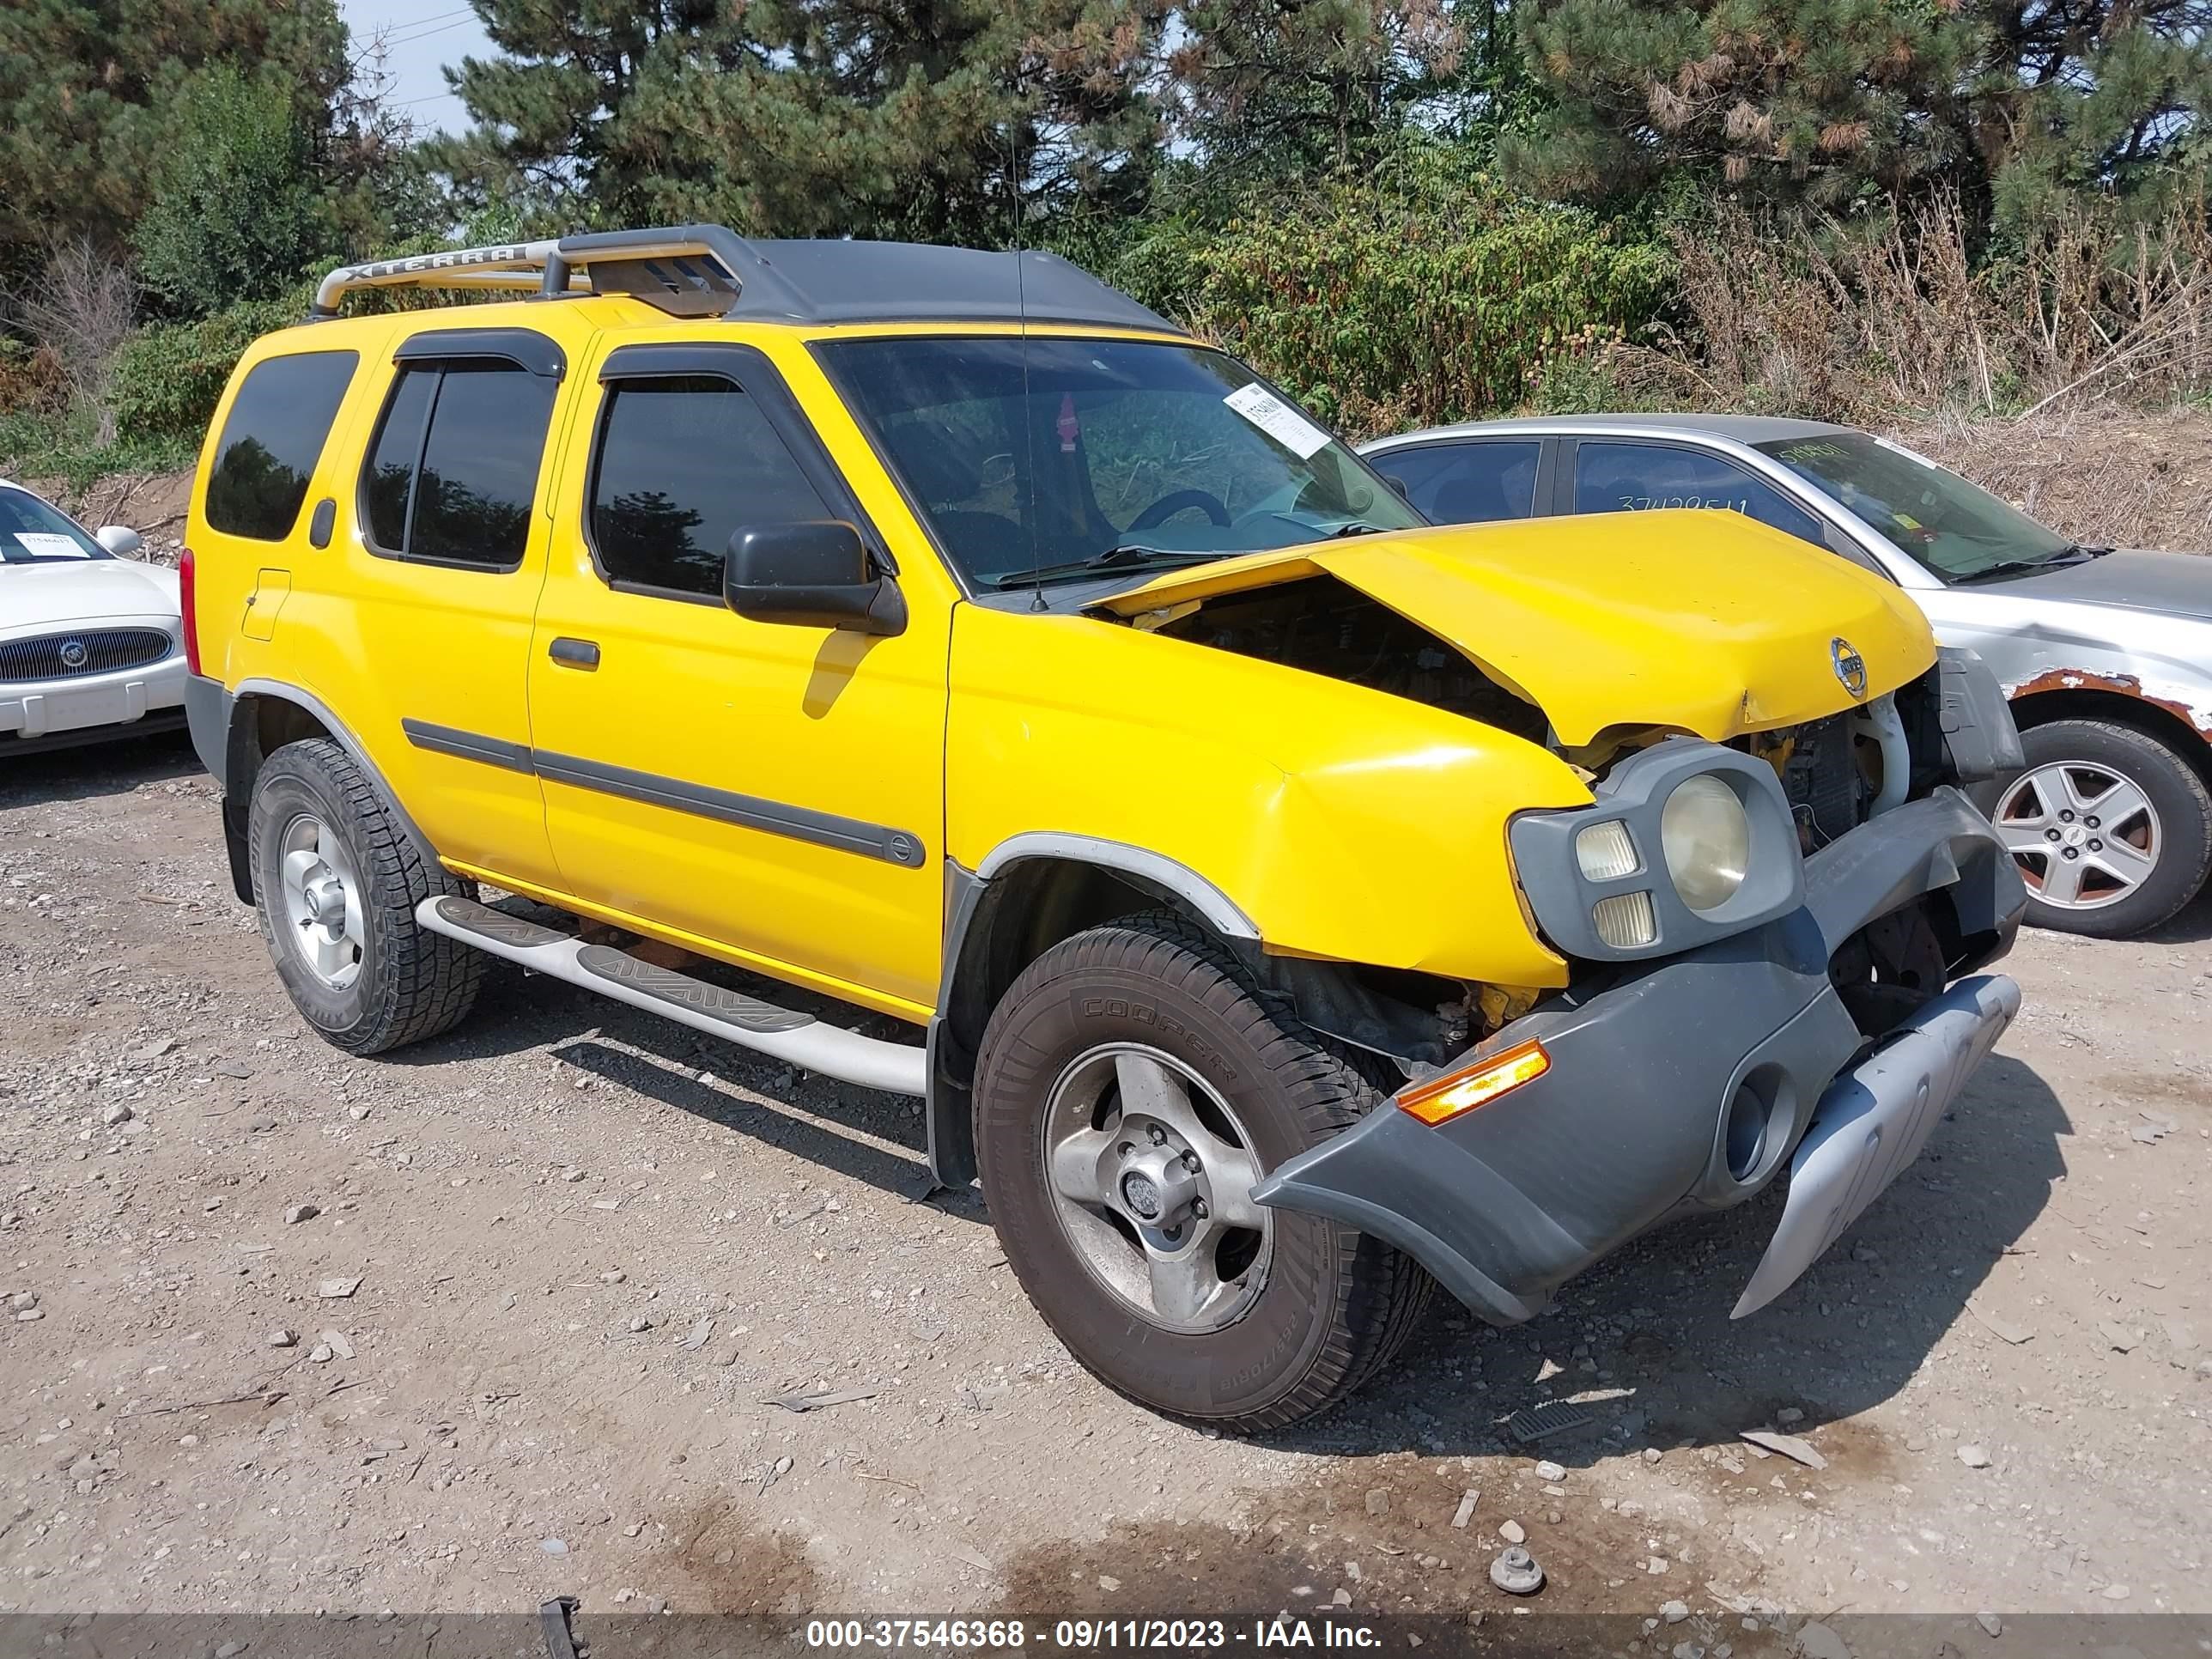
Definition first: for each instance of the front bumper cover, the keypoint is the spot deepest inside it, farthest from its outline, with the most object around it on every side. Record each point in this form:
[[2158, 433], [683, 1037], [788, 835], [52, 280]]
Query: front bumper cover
[[1628, 1125]]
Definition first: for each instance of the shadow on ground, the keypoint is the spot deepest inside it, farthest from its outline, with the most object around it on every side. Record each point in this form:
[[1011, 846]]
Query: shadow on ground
[[115, 767]]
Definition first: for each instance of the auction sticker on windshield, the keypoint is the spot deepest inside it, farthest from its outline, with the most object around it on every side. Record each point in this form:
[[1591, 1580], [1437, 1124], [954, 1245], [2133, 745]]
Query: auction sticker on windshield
[[1278, 420], [45, 544]]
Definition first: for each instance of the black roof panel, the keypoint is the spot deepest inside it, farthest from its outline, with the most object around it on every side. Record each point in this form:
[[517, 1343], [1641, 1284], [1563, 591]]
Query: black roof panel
[[830, 281]]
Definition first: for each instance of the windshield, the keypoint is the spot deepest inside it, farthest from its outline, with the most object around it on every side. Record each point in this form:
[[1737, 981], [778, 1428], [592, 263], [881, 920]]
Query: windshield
[[1957, 530], [1096, 455], [31, 532]]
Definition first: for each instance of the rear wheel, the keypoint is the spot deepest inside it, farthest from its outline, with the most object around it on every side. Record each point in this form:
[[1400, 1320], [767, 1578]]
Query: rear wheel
[[336, 881], [2112, 829], [1130, 1091]]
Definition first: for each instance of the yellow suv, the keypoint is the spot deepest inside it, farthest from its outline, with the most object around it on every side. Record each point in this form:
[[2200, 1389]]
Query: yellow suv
[[1292, 905]]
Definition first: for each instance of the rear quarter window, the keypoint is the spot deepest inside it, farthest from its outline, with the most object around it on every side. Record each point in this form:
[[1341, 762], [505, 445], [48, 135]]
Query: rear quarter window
[[271, 441]]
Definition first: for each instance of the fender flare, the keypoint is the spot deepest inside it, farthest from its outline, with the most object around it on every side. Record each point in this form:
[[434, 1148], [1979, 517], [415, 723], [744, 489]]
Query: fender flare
[[1222, 914], [947, 1113], [240, 763]]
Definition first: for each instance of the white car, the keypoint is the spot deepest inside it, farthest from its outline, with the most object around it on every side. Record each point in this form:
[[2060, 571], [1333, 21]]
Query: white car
[[91, 642]]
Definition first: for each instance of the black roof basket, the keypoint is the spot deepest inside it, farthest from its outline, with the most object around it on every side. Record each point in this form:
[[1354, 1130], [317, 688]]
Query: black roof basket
[[709, 270]]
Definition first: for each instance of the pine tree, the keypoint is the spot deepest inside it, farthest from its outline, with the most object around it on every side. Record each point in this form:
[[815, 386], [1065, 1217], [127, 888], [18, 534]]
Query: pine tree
[[1826, 102], [1271, 87], [940, 119]]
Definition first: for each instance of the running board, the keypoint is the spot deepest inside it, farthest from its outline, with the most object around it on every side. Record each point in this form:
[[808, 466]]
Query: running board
[[801, 1039]]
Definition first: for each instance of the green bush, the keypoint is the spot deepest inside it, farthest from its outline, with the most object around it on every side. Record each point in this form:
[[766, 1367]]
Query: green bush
[[238, 212], [1430, 293], [67, 446]]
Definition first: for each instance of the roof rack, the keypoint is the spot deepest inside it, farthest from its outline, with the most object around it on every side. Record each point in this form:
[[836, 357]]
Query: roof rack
[[709, 270]]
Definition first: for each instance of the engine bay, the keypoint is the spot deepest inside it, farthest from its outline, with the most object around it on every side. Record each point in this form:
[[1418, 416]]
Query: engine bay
[[1324, 626]]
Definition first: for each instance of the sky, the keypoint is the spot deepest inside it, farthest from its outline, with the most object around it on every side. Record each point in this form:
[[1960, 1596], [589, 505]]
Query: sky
[[421, 36]]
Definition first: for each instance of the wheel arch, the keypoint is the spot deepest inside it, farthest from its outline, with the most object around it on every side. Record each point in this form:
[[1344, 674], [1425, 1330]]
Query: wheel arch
[[265, 716], [1026, 896], [2040, 704]]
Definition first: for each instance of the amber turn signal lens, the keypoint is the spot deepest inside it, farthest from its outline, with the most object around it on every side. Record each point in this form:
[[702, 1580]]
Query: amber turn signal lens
[[1447, 1097]]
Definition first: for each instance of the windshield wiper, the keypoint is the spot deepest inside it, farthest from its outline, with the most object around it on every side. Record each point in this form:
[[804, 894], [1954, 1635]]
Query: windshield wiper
[[1355, 528], [2072, 553], [1129, 556]]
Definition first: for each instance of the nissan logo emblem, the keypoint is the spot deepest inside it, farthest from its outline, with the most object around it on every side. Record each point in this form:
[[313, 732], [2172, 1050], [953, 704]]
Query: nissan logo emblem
[[1851, 667], [74, 654]]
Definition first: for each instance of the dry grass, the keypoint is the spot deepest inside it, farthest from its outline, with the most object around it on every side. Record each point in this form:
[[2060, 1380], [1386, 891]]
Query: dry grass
[[1867, 324], [2128, 479]]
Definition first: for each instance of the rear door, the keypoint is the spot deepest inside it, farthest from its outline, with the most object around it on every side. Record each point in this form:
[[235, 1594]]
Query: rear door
[[446, 550]]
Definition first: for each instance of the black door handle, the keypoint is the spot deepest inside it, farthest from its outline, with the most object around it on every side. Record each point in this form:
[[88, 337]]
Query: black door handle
[[577, 653]]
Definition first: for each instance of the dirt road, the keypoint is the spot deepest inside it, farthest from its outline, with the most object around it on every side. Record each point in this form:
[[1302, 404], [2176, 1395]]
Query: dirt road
[[557, 1261]]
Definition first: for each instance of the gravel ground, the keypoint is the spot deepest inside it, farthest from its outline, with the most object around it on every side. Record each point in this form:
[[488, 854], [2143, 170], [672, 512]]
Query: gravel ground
[[494, 1318]]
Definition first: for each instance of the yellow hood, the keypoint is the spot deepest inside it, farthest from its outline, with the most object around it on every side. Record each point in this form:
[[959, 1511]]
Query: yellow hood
[[1703, 621]]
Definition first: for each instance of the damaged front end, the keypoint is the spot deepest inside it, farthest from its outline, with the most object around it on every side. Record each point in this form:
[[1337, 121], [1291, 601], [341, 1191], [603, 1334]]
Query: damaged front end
[[1688, 1080]]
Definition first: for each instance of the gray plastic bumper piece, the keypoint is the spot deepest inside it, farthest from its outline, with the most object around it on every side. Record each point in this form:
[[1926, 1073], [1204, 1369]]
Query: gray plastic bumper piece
[[1873, 1120], [1627, 1128], [207, 714], [1978, 729]]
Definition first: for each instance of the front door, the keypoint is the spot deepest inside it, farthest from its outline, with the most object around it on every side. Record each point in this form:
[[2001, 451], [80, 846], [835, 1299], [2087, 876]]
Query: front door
[[773, 792]]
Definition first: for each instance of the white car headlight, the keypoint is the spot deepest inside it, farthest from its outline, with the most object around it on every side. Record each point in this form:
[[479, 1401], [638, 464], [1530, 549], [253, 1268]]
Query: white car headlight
[[1705, 838]]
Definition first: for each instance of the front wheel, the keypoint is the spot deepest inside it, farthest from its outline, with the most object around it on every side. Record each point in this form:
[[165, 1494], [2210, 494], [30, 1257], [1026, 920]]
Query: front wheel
[[2112, 829], [1130, 1091]]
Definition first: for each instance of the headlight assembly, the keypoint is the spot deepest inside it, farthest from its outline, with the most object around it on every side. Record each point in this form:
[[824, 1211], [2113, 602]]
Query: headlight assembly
[[1686, 842]]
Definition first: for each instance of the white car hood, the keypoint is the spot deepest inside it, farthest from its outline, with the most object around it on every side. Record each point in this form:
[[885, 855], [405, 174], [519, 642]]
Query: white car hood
[[37, 597]]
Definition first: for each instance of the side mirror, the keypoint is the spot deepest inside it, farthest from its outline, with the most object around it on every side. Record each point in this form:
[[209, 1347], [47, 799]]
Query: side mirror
[[120, 539], [814, 573]]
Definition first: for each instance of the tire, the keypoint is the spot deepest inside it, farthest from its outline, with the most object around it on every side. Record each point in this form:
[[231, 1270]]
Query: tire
[[1318, 1311], [2070, 765], [405, 983]]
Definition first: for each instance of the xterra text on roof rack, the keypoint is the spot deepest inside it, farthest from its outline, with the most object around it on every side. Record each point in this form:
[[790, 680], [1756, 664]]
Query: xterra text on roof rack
[[1291, 904]]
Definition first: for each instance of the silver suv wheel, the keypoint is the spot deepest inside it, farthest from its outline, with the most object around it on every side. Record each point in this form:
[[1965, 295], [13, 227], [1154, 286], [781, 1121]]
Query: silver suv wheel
[[1152, 1179], [2084, 835]]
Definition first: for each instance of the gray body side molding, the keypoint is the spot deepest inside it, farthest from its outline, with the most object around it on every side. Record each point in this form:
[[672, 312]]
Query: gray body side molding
[[1220, 911]]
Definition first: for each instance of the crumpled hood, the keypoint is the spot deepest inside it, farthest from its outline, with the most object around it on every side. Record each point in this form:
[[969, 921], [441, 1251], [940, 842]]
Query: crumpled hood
[[36, 597], [1703, 621]]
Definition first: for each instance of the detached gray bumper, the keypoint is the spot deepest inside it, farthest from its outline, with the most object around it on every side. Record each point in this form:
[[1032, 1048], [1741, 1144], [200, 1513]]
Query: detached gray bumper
[[1630, 1123]]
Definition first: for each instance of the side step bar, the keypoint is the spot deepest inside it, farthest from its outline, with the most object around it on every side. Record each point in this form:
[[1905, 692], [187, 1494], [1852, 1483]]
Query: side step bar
[[801, 1039]]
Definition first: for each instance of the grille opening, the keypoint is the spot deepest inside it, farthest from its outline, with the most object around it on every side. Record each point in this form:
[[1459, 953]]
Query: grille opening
[[74, 655]]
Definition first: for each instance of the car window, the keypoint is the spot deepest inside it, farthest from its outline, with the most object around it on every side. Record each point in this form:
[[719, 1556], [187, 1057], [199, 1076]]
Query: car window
[[1627, 477], [33, 533], [1466, 483], [1953, 528], [683, 463], [452, 474], [271, 441], [1035, 459]]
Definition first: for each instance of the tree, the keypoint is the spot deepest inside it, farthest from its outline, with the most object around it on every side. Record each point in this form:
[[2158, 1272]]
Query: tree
[[1825, 102], [1268, 87], [238, 212], [89, 100], [940, 119]]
